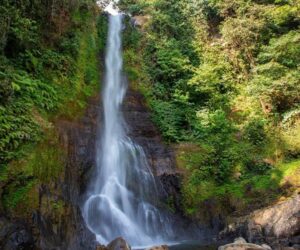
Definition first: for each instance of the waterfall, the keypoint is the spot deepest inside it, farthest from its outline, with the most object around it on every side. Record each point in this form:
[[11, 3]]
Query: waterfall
[[122, 196]]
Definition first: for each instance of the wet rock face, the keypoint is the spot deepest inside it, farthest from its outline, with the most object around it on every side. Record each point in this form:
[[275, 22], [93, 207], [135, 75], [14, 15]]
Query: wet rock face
[[15, 236], [160, 157], [143, 132], [277, 225], [59, 221], [241, 244]]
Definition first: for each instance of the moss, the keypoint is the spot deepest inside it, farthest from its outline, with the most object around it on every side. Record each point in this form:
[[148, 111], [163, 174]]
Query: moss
[[47, 162], [4, 173], [58, 206], [86, 80], [17, 192], [170, 203]]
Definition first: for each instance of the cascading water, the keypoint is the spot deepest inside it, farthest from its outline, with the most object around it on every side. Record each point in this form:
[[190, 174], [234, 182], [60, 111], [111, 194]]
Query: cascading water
[[123, 194]]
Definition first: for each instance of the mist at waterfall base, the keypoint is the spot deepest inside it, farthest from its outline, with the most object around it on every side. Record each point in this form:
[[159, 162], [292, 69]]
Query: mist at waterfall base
[[122, 196]]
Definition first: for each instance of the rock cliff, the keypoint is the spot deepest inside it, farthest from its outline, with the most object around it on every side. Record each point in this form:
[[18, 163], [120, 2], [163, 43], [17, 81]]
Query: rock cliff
[[277, 225]]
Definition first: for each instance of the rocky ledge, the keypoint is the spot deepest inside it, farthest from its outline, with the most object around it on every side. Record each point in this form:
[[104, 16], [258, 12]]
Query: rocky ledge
[[277, 225], [241, 244], [56, 221], [121, 244], [161, 157]]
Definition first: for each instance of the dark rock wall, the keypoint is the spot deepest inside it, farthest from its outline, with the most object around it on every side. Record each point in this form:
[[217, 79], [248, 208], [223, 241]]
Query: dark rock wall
[[160, 157], [57, 222], [62, 226]]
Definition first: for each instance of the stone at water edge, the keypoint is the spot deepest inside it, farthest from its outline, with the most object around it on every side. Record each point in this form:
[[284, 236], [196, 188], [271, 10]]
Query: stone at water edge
[[244, 246], [101, 247], [239, 240], [162, 247], [267, 247], [241, 244], [118, 244]]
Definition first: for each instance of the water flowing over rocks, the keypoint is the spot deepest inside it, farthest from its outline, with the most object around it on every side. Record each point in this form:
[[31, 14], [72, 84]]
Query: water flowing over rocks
[[58, 224], [160, 157], [162, 247], [122, 198], [143, 131]]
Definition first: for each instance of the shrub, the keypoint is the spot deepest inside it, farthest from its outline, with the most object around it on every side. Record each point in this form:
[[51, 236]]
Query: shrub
[[255, 132], [6, 90]]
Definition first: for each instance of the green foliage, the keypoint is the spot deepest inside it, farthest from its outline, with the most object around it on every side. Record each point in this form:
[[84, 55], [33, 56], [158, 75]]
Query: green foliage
[[134, 7], [285, 14], [170, 117], [170, 66], [17, 125], [223, 75], [131, 36], [17, 193], [213, 81], [255, 132], [284, 50], [218, 135], [48, 68], [48, 161], [277, 76], [6, 89], [243, 34], [242, 194], [102, 29], [257, 166]]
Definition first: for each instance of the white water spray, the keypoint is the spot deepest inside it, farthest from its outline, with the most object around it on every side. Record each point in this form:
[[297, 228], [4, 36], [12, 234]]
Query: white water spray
[[122, 198]]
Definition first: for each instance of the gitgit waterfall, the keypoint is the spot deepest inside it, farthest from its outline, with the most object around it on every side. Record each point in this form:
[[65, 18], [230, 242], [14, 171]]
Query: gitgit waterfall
[[123, 194], [150, 125]]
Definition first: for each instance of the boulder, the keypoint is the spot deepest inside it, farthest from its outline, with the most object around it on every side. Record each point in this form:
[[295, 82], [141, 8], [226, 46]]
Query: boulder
[[241, 246], [118, 244], [267, 247], [277, 225], [101, 247], [15, 236], [240, 240], [140, 21]]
